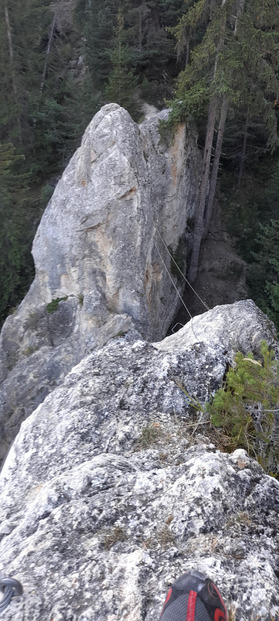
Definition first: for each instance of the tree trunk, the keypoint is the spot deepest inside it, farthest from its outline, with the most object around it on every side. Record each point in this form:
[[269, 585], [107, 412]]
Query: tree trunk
[[11, 55], [243, 152], [47, 53], [239, 12], [140, 28], [202, 220], [215, 167], [9, 34], [199, 217], [187, 54]]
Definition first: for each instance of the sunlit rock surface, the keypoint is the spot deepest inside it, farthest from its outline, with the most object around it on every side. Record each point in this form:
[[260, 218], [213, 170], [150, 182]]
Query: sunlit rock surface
[[101, 252], [114, 486]]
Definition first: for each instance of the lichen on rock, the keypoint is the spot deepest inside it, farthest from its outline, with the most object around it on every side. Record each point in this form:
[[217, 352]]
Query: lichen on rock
[[96, 522], [115, 484], [100, 255]]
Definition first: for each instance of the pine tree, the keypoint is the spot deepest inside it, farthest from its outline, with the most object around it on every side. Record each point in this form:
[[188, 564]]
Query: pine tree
[[96, 20], [39, 123], [263, 273], [38, 96], [16, 268], [218, 107], [149, 47], [246, 407], [21, 34], [235, 59], [121, 82], [148, 25]]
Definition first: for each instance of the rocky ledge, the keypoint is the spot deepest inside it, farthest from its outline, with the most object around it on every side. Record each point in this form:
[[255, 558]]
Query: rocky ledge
[[113, 486]]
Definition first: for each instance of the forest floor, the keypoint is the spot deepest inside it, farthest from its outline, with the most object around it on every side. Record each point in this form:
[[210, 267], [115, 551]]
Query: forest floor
[[221, 277]]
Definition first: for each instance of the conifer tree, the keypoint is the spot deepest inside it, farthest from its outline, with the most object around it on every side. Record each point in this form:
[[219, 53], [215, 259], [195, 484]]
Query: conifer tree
[[263, 273], [21, 32], [146, 43], [121, 82], [246, 407], [39, 122], [237, 51], [96, 20], [148, 25], [15, 261]]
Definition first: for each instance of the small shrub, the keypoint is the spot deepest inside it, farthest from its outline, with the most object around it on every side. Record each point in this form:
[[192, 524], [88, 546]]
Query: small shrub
[[114, 535], [81, 298], [53, 305], [161, 538], [29, 350], [33, 321], [243, 518], [149, 435], [245, 406], [165, 537]]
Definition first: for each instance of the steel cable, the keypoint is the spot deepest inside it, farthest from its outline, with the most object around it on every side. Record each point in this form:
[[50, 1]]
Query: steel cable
[[10, 588]]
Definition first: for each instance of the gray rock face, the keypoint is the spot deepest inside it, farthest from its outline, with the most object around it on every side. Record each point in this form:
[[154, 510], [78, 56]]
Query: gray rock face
[[234, 327], [112, 489], [100, 231], [101, 249]]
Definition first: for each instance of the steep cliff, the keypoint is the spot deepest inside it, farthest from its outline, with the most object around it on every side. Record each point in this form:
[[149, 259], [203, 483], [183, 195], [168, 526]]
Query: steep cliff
[[112, 487], [100, 253]]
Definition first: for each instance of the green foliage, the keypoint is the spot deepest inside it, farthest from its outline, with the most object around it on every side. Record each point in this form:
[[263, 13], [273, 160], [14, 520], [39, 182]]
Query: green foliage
[[29, 351], [81, 298], [121, 81], [16, 269], [39, 101], [120, 334], [56, 72], [53, 305], [113, 536], [149, 435], [232, 63], [96, 20], [247, 405], [272, 191], [263, 272], [57, 127], [141, 45], [40, 121], [273, 292], [251, 218]]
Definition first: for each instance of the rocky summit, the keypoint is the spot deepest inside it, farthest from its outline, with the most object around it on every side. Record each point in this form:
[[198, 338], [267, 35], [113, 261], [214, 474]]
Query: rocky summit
[[102, 254], [116, 483], [113, 486]]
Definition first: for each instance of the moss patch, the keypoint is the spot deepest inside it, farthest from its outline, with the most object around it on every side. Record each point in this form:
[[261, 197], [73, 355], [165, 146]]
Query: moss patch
[[53, 305]]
